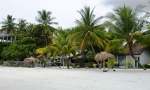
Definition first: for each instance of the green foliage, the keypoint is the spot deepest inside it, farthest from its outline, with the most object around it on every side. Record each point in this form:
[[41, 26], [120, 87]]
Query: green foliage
[[127, 64], [126, 25], [90, 54], [28, 39], [45, 20], [20, 51], [19, 48], [89, 33], [76, 66], [42, 59], [111, 63], [62, 44], [147, 65], [115, 46], [9, 25], [144, 39], [94, 65], [90, 64], [125, 28], [1, 62], [2, 46]]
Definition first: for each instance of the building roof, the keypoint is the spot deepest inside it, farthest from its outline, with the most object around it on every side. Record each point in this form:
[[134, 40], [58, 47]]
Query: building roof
[[137, 50]]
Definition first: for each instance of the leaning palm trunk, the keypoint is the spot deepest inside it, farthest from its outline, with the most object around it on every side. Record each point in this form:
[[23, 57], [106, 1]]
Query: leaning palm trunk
[[95, 54], [135, 58]]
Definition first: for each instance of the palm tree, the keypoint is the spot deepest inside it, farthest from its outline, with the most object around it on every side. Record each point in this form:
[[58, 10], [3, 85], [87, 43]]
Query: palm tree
[[22, 25], [88, 32], [127, 25], [9, 25], [45, 20], [62, 45]]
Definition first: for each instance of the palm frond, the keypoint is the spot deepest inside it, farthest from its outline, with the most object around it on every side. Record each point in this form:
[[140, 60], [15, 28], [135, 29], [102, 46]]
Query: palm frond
[[115, 45], [84, 43], [96, 40], [145, 40]]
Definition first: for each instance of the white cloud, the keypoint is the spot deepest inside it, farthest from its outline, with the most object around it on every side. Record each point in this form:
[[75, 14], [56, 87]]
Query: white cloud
[[65, 11]]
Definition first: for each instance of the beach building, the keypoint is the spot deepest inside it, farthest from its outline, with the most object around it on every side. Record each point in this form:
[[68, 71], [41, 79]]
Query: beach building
[[141, 53]]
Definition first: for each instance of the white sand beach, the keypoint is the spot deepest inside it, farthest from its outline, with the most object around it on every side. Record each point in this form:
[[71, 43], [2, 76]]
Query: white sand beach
[[20, 78]]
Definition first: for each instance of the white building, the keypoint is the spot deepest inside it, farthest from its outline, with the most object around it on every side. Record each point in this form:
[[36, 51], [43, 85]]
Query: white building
[[4, 36], [141, 54]]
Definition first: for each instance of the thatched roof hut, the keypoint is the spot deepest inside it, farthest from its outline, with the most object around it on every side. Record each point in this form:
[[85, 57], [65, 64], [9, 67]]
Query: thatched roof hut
[[30, 59]]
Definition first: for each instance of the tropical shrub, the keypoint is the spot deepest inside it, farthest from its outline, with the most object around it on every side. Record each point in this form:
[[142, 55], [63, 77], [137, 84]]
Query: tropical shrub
[[111, 63], [147, 65], [2, 45], [42, 60], [127, 64], [90, 64]]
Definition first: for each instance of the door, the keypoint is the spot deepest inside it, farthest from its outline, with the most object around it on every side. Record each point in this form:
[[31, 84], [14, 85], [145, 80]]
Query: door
[[136, 64]]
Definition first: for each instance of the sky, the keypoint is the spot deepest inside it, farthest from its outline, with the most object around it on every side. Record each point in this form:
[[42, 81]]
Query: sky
[[65, 11]]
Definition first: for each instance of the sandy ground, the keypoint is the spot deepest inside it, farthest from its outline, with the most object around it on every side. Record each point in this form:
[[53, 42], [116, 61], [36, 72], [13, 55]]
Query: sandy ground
[[19, 78]]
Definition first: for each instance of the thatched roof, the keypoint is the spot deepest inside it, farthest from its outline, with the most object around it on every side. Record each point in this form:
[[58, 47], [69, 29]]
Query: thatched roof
[[103, 56], [137, 50], [30, 59]]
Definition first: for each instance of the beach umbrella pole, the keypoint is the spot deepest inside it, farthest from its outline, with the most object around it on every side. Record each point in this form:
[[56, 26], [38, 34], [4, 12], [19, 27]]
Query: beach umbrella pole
[[63, 63], [104, 64]]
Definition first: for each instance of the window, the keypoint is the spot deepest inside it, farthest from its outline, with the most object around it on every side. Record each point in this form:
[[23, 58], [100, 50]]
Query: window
[[121, 60]]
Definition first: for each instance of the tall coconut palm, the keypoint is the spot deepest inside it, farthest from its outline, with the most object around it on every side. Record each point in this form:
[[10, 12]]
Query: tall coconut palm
[[126, 24], [9, 25], [89, 33], [22, 25], [21, 28], [88, 30], [45, 20]]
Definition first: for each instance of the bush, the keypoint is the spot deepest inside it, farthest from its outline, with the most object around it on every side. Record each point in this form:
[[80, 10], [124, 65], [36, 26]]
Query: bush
[[94, 65], [90, 64], [147, 65], [111, 63], [127, 64], [77, 66], [1, 62]]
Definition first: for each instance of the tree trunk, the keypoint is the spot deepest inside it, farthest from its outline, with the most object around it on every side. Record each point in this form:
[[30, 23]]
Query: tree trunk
[[82, 62], [131, 51], [11, 39], [94, 54], [68, 64], [63, 63], [46, 40]]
